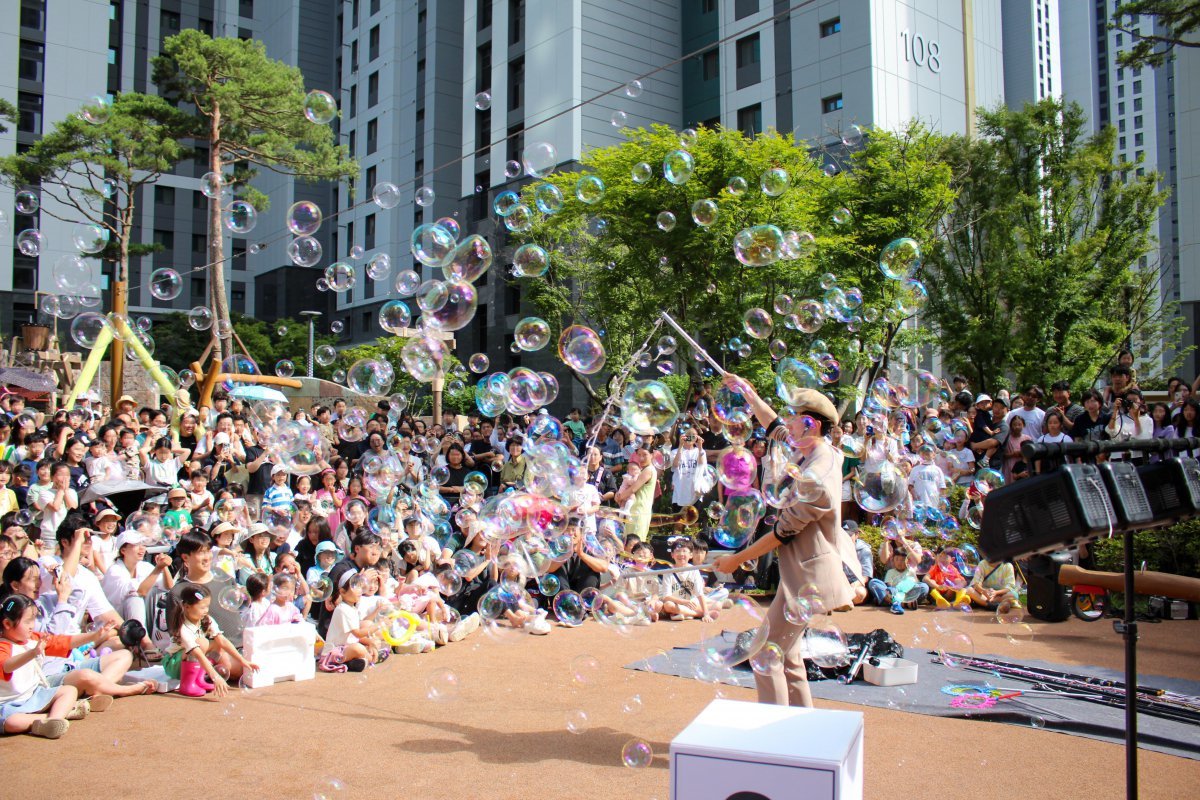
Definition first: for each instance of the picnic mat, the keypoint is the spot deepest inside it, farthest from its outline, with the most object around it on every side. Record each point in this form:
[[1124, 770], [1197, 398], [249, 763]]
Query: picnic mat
[[1050, 712]]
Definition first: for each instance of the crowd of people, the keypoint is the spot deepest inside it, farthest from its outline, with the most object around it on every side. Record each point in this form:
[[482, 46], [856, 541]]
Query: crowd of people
[[395, 536]]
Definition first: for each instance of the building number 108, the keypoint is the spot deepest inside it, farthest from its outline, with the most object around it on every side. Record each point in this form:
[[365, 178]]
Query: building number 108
[[921, 52]]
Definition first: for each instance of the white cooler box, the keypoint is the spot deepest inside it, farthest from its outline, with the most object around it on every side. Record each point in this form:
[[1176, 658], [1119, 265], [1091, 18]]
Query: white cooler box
[[282, 652], [754, 751]]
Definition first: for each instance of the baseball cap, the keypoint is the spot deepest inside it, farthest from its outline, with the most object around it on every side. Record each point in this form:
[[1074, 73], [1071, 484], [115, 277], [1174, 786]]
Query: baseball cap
[[130, 537], [221, 438], [983, 398], [326, 547], [106, 512]]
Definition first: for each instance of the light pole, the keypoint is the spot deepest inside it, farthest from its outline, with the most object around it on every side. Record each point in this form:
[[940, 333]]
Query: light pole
[[312, 321]]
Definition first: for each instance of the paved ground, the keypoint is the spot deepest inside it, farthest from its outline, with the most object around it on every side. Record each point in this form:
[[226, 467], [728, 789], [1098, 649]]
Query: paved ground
[[505, 733]]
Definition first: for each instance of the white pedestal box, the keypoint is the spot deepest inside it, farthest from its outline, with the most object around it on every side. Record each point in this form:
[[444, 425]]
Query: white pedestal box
[[282, 652], [752, 751]]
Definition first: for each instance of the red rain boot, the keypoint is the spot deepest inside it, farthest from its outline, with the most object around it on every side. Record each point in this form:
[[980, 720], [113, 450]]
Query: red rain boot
[[190, 679]]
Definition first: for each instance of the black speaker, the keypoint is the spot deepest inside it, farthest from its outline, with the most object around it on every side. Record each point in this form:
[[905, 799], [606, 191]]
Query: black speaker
[[1046, 599], [1049, 512], [1172, 487]]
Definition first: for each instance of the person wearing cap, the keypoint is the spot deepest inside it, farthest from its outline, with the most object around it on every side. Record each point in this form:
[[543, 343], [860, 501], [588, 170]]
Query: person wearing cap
[[128, 581], [256, 545], [327, 554], [278, 495], [811, 547], [982, 429], [126, 405], [177, 518], [104, 539]]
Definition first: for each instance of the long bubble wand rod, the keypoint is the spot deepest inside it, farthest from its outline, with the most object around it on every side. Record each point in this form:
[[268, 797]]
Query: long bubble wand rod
[[692, 343], [619, 385]]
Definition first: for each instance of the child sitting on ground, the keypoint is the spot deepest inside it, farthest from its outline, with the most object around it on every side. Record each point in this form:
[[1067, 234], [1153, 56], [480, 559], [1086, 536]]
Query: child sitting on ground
[[683, 592], [281, 611], [944, 580], [994, 585], [353, 642], [899, 586], [196, 641], [256, 587]]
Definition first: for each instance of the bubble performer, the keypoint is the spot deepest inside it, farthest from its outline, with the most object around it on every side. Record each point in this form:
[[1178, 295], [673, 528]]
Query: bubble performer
[[809, 537]]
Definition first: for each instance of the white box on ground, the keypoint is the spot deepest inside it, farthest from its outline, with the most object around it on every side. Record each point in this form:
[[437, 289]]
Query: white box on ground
[[891, 671], [282, 652], [753, 751]]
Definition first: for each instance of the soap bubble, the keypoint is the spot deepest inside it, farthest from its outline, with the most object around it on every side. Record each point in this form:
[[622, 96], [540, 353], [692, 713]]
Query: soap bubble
[[641, 172], [825, 643], [425, 196], [758, 246], [483, 101], [736, 186], [580, 348], [469, 259], [26, 202], [86, 328], [386, 194], [852, 136], [637, 754], [407, 283], [810, 316], [619, 118], [900, 259], [757, 322], [665, 221], [532, 333], [304, 218], [840, 216], [648, 407], [240, 217], [569, 608], [320, 107], [666, 345], [97, 110], [89, 238], [791, 375], [213, 186], [880, 487], [633, 89], [505, 202], [688, 137], [519, 219], [589, 189], [31, 242], [531, 261], [233, 598], [394, 316], [955, 648], [678, 167], [304, 251], [325, 355], [577, 721], [457, 311], [379, 266], [432, 244], [223, 328], [165, 284], [71, 272], [340, 276], [585, 669], [512, 169], [539, 159], [774, 182], [478, 363], [200, 318], [768, 660], [704, 212]]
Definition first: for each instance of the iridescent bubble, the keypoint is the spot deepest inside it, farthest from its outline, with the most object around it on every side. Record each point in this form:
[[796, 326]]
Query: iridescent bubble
[[568, 608], [665, 221], [688, 137], [637, 754], [458, 310], [340, 276], [505, 202], [825, 643], [852, 136], [87, 327], [736, 186], [881, 486], [89, 238], [955, 648], [285, 368], [532, 333], [483, 100], [678, 167], [432, 244], [768, 660], [304, 218], [519, 219], [407, 283], [900, 259], [577, 721], [97, 110], [200, 318], [442, 685], [304, 251], [840, 216], [589, 189], [731, 407], [774, 182], [71, 272], [777, 349], [641, 172], [240, 217], [531, 261], [758, 246], [165, 284], [394, 316], [370, 376], [469, 259], [386, 194], [478, 363], [648, 407], [705, 212], [580, 348], [379, 266], [512, 169], [548, 198], [810, 316], [597, 226], [619, 118], [792, 375], [325, 355], [320, 107], [424, 196], [539, 159], [758, 323], [31, 242], [784, 304], [633, 89], [422, 357]]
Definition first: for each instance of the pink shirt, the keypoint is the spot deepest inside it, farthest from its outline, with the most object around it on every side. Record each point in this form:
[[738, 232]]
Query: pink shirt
[[285, 614]]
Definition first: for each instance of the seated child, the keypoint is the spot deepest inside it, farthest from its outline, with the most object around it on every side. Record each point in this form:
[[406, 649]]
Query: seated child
[[326, 554], [944, 580], [899, 586], [256, 586], [684, 595], [282, 611], [994, 585]]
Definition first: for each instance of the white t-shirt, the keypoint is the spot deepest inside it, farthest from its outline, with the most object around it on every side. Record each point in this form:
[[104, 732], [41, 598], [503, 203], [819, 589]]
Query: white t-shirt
[[1033, 420], [195, 634], [40, 497], [162, 473], [1061, 438], [118, 584], [346, 618], [105, 548], [84, 580], [587, 496], [927, 482], [105, 468]]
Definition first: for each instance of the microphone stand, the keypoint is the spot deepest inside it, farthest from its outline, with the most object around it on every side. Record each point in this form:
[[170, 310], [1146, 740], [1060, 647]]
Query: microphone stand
[[1127, 627]]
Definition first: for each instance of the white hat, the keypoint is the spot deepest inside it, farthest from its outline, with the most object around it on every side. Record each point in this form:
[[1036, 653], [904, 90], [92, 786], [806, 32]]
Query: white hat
[[983, 398], [106, 512], [130, 537], [221, 438]]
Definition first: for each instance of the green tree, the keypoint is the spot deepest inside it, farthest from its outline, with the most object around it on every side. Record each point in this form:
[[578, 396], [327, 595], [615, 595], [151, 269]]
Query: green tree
[[177, 344], [1168, 25], [1034, 280], [619, 274], [458, 395], [98, 172], [8, 113], [248, 110]]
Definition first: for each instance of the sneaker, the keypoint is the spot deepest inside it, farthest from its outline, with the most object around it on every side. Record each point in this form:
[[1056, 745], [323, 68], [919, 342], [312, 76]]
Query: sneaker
[[49, 728], [896, 609], [465, 627], [438, 633], [80, 711], [415, 645], [983, 462], [538, 625]]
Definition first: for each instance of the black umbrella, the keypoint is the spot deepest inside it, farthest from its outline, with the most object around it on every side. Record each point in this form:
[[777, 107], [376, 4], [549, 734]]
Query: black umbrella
[[126, 496]]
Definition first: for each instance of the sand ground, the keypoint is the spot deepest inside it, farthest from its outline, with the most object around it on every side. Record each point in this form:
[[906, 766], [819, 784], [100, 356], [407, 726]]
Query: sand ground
[[504, 734]]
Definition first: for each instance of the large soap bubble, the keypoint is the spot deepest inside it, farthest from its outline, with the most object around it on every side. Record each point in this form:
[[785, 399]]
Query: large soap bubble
[[580, 349], [648, 407], [880, 487]]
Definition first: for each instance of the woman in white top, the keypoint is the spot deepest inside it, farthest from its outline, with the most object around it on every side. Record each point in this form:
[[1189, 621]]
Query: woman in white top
[[689, 457], [131, 577], [160, 467], [1053, 426], [1129, 422]]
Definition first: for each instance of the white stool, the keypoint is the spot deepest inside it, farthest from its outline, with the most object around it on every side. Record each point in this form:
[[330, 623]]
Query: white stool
[[282, 652], [753, 751]]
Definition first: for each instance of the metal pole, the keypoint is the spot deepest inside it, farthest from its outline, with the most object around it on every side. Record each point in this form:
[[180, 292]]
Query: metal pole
[[311, 341]]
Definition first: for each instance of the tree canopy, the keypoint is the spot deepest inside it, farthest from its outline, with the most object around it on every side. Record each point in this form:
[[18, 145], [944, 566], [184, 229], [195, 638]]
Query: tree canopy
[[1169, 24]]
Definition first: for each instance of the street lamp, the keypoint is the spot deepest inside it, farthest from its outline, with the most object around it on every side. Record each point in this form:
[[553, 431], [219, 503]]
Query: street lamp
[[312, 321]]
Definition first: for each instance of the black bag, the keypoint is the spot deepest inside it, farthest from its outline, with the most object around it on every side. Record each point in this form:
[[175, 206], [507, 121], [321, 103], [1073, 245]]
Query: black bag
[[131, 634]]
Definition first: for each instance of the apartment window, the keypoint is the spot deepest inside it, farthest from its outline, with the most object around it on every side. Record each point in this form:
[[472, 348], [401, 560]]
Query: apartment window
[[349, 237], [1121, 143], [483, 68], [831, 26], [1137, 71], [354, 12], [33, 59], [419, 168], [199, 201], [165, 195], [1120, 90], [1139, 155], [33, 17], [353, 144], [421, 17], [708, 6], [198, 291], [168, 22], [421, 69], [1137, 104], [373, 90], [238, 254], [366, 315], [1121, 126], [420, 118], [1120, 40], [749, 120], [246, 9], [747, 51], [374, 6], [373, 44], [371, 178], [238, 297], [831, 103], [1137, 87], [515, 139], [710, 65], [1120, 73], [354, 56], [1137, 122], [29, 105], [353, 102], [483, 13], [199, 240], [1139, 140], [483, 129], [516, 20], [516, 80], [369, 232], [744, 8], [245, 34], [165, 238], [1120, 108], [372, 136]]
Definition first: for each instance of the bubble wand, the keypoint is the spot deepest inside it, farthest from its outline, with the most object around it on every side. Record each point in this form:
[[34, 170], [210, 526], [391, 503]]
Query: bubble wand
[[692, 342]]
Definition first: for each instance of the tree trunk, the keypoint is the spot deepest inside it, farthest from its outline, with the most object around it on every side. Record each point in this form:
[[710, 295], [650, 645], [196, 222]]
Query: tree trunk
[[120, 305], [216, 247]]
